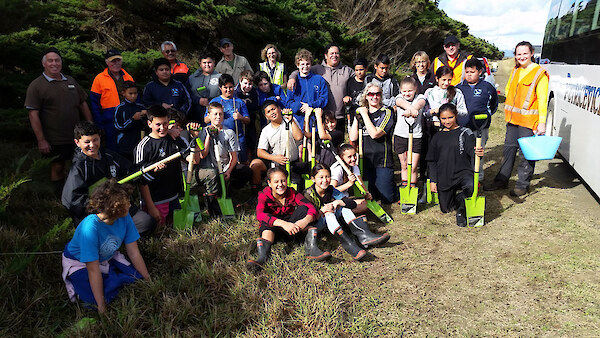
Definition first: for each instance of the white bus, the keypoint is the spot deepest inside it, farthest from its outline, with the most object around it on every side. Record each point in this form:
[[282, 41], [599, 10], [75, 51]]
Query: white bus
[[571, 52]]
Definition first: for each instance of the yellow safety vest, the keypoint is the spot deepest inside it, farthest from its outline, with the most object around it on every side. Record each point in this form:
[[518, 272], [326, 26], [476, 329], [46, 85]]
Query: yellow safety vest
[[521, 106], [277, 77]]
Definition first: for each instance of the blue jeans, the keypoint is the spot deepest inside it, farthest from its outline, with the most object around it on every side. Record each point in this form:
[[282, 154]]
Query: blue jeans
[[381, 184]]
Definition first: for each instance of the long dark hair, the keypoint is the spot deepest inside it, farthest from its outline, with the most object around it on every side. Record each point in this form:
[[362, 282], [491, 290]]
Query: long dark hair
[[445, 70]]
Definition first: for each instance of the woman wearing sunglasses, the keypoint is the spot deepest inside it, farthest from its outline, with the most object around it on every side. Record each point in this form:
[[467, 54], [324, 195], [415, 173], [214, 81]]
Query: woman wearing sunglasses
[[377, 125]]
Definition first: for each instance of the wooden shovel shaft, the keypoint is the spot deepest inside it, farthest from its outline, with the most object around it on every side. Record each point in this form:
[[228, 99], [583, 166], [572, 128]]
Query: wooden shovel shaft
[[476, 169]]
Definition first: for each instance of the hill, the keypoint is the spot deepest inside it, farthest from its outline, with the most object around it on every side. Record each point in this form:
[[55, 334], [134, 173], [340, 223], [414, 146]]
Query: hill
[[84, 30]]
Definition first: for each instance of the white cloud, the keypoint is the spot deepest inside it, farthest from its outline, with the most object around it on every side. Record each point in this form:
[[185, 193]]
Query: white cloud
[[503, 23]]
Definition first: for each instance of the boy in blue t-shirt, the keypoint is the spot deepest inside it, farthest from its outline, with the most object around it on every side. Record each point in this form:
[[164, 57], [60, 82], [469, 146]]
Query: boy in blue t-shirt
[[93, 268], [480, 97]]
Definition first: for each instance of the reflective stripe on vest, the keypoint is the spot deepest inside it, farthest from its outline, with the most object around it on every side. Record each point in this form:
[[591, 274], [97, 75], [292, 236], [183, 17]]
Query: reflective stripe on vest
[[458, 72], [523, 113], [277, 77]]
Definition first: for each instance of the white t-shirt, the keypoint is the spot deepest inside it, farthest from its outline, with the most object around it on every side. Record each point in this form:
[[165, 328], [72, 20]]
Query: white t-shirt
[[226, 141], [273, 141], [401, 128], [337, 173]]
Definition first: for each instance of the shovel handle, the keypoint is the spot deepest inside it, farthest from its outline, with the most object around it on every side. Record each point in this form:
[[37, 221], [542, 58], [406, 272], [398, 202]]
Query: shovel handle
[[149, 168], [190, 170]]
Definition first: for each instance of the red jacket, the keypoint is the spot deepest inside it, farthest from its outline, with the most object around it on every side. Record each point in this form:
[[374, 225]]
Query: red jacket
[[268, 209]]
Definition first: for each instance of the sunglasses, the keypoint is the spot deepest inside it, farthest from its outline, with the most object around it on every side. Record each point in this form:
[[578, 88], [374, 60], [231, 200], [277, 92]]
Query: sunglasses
[[170, 51], [371, 94]]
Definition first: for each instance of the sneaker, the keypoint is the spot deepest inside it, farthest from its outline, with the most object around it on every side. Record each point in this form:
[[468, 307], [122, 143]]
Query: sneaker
[[496, 185], [518, 192]]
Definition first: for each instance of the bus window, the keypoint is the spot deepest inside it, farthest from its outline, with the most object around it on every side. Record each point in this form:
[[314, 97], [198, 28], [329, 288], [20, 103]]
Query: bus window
[[565, 18], [583, 17], [550, 33]]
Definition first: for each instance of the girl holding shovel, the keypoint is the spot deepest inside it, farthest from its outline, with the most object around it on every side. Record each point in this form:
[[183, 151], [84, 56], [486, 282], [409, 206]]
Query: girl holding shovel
[[450, 157]]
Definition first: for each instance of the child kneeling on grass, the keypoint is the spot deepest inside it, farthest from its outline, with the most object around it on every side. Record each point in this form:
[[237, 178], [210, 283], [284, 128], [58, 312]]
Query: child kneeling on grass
[[451, 159], [93, 269], [284, 214], [333, 205]]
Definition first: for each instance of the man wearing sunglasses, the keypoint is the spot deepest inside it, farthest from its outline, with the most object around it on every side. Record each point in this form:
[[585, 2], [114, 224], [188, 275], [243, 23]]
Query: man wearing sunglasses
[[452, 57], [179, 70]]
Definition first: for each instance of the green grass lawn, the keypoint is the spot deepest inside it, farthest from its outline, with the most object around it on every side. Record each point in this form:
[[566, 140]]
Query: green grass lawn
[[532, 270]]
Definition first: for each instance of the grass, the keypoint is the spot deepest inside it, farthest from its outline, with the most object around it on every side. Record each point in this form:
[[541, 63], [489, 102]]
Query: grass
[[532, 270]]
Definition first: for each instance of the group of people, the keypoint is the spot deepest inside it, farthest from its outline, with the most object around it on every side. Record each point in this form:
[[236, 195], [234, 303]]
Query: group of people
[[287, 130]]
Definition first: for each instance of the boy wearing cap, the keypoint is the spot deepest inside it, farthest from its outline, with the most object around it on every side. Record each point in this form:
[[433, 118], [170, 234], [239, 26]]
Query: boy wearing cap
[[55, 103], [452, 57], [231, 63], [105, 95]]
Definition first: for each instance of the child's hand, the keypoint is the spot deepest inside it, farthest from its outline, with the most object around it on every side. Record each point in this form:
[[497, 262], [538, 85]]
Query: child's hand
[[368, 196], [413, 112], [137, 116], [167, 106], [318, 112], [326, 209], [280, 159], [203, 101], [236, 115], [154, 213], [352, 178], [161, 166], [305, 108], [226, 175], [479, 151], [291, 228], [433, 186], [291, 84], [434, 111], [347, 100], [102, 308], [278, 98]]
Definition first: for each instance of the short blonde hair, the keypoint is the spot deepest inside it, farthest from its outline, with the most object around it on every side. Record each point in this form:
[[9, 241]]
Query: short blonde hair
[[263, 52], [303, 54], [419, 55], [363, 95]]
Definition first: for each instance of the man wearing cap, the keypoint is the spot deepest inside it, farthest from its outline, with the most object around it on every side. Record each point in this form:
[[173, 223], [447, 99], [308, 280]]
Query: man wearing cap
[[55, 103], [105, 95], [452, 57], [179, 70], [231, 63]]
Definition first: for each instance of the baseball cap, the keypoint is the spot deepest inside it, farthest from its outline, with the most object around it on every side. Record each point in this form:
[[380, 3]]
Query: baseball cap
[[51, 50], [113, 54], [450, 39], [224, 41]]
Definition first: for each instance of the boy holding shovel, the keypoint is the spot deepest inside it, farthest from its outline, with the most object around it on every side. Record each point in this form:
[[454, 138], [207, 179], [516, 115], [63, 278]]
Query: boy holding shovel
[[225, 140]]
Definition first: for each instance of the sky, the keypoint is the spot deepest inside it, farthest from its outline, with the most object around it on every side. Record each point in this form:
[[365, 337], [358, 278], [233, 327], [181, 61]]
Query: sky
[[501, 22]]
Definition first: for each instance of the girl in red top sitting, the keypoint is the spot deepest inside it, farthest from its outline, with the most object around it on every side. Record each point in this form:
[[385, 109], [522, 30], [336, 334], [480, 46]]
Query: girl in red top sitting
[[284, 214]]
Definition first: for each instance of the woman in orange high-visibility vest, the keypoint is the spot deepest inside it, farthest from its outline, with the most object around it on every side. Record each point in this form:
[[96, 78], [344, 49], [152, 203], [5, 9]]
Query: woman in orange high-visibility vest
[[525, 110]]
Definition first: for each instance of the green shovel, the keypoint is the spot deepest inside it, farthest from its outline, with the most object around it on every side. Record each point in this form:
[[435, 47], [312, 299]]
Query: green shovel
[[409, 195], [225, 204], [288, 151], [190, 207], [313, 154], [475, 205], [372, 205]]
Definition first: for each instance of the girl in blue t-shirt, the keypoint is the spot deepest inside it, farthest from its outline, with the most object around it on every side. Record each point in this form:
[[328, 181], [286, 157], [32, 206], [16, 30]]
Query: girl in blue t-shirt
[[93, 269]]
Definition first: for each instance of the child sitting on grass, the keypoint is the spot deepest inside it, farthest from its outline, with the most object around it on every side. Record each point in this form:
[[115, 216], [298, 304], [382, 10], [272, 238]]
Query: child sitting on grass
[[93, 268], [333, 205], [451, 158], [342, 182], [284, 214]]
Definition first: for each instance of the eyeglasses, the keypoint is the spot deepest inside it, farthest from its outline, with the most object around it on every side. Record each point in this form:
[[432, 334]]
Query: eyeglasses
[[371, 94], [420, 62], [170, 51]]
